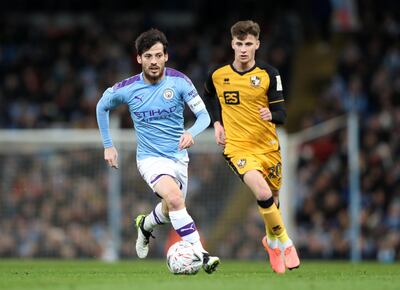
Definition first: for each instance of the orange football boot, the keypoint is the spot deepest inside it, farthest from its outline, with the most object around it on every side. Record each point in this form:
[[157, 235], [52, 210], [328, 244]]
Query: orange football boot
[[275, 257], [291, 258]]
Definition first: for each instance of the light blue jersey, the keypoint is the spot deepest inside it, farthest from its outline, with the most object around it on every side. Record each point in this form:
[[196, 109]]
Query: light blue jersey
[[156, 111]]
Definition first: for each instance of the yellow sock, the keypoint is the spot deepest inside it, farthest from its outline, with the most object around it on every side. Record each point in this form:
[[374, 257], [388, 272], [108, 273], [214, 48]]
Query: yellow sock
[[271, 236], [273, 223]]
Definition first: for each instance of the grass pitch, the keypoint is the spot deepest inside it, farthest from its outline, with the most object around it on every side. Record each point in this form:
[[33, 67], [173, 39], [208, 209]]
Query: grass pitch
[[232, 275]]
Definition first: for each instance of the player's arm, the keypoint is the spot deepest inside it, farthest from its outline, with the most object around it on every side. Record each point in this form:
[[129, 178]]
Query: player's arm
[[108, 101], [275, 112], [201, 123], [211, 100], [276, 101], [214, 107], [197, 106]]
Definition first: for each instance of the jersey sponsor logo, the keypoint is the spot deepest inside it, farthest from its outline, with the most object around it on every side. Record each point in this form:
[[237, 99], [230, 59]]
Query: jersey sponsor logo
[[241, 163], [278, 83], [168, 94], [255, 81], [232, 97], [155, 113]]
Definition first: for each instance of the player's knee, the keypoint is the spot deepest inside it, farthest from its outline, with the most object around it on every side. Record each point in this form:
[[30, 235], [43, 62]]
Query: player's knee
[[264, 194], [175, 201]]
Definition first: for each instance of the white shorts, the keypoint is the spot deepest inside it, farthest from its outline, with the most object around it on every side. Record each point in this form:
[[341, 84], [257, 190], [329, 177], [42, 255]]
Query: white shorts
[[152, 168]]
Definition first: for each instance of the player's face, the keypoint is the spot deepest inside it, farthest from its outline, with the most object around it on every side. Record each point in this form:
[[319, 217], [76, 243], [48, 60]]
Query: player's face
[[245, 49], [153, 62]]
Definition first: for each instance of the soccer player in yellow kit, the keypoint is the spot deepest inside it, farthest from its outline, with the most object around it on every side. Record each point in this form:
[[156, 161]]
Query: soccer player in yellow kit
[[246, 102]]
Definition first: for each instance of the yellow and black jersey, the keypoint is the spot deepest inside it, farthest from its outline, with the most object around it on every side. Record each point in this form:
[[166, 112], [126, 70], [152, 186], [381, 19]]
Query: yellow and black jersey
[[234, 99]]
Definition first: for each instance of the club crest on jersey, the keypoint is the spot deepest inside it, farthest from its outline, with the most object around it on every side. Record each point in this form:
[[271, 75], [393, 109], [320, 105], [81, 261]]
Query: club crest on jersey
[[168, 94], [255, 81], [241, 163]]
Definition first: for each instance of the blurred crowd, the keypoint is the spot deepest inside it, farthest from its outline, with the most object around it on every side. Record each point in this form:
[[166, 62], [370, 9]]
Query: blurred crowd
[[367, 76], [53, 69], [55, 203], [50, 208]]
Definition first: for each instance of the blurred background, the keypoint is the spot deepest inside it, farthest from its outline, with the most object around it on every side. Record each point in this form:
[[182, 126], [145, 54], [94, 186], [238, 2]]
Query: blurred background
[[339, 61]]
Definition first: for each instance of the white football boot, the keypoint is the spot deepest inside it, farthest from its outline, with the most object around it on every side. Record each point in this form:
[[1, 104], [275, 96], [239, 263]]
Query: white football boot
[[143, 237], [210, 263]]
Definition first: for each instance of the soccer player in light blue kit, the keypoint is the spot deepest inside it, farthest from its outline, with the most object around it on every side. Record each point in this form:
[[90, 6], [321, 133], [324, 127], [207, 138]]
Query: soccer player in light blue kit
[[156, 99]]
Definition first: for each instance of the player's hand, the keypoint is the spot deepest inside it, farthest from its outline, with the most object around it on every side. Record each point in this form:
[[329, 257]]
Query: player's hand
[[219, 133], [265, 114], [186, 141], [111, 157]]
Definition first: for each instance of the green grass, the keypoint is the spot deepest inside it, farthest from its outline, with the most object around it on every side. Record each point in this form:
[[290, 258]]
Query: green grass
[[232, 275]]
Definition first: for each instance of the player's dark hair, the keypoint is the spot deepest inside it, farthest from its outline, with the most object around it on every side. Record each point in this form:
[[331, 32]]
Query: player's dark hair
[[242, 28], [148, 38]]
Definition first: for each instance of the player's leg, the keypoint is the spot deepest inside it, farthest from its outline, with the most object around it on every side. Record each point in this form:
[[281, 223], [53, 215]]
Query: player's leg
[[181, 220], [249, 168], [271, 239], [272, 219], [145, 225], [210, 263], [151, 170], [273, 176], [275, 194], [158, 216], [291, 257]]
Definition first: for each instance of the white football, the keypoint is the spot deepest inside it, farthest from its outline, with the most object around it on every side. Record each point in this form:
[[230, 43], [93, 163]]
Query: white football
[[183, 258]]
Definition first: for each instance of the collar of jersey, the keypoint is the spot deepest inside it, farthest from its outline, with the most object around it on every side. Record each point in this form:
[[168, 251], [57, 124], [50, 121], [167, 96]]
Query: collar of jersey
[[156, 84], [243, 72]]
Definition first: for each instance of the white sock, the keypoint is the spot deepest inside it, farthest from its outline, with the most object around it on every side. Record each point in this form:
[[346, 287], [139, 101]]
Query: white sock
[[155, 218], [285, 245], [273, 243], [186, 228]]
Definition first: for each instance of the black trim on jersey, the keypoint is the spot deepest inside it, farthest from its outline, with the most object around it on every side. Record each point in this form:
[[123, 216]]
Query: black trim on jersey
[[243, 72], [272, 93], [275, 97], [211, 99], [278, 112]]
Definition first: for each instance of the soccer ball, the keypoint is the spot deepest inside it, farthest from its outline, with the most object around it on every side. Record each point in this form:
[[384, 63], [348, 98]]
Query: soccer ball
[[183, 258]]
